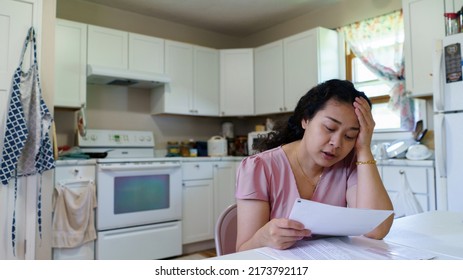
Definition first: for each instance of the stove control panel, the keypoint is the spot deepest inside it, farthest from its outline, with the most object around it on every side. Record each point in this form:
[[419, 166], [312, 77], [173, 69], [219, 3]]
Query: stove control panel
[[116, 138]]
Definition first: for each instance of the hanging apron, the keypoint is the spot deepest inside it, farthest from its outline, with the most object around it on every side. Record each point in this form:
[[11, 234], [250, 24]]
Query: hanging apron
[[27, 148]]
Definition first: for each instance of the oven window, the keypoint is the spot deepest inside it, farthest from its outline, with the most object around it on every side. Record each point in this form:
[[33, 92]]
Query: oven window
[[141, 193]]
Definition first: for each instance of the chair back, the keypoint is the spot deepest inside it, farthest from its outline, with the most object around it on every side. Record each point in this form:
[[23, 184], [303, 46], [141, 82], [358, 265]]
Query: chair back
[[226, 231]]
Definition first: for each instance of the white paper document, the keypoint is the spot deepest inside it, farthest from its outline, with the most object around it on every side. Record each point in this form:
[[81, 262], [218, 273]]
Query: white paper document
[[346, 248], [324, 219]]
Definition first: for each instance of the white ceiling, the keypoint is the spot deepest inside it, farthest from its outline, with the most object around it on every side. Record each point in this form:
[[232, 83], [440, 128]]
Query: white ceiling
[[231, 17]]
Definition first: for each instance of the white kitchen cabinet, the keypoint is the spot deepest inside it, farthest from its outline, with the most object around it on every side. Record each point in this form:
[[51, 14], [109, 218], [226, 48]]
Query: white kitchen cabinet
[[146, 54], [268, 78], [198, 207], [310, 57], [118, 49], [237, 82], [285, 70], [194, 86], [453, 6], [423, 25], [70, 64], [108, 47], [420, 179], [206, 81], [224, 173]]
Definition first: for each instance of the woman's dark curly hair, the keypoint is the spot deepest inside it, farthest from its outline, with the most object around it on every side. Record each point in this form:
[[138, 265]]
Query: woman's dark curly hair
[[309, 105]]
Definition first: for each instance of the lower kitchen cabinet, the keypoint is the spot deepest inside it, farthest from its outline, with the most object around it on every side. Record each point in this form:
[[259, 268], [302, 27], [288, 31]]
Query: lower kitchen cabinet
[[224, 186], [419, 179], [198, 207], [208, 188]]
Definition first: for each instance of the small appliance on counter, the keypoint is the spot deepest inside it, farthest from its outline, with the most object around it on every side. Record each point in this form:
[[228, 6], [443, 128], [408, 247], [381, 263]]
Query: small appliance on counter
[[252, 137], [217, 146]]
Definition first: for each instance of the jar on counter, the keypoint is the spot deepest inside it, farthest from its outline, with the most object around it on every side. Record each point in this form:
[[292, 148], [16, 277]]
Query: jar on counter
[[173, 149], [452, 25], [185, 149]]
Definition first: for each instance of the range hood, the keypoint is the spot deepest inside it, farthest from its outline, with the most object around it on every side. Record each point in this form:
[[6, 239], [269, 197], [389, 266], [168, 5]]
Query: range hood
[[99, 75]]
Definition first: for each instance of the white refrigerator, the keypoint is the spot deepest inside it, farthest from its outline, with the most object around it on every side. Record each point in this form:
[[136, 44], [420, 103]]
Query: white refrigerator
[[448, 122]]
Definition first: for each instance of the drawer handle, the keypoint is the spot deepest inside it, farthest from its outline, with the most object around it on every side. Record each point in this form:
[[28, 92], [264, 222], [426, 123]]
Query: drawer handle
[[401, 172]]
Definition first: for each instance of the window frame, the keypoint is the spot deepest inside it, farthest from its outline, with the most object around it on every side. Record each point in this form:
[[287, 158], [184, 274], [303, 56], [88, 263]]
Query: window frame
[[374, 100]]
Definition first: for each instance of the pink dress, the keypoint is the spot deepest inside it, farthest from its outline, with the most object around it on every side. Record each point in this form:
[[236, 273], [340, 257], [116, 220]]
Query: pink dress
[[268, 176]]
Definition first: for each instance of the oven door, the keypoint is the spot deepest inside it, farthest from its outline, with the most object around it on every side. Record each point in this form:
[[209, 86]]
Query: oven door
[[132, 194]]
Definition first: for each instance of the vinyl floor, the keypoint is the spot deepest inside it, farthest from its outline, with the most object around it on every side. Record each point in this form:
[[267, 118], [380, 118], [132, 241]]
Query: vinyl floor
[[197, 256]]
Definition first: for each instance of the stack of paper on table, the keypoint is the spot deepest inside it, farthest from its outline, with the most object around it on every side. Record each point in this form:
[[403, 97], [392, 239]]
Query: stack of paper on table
[[323, 219]]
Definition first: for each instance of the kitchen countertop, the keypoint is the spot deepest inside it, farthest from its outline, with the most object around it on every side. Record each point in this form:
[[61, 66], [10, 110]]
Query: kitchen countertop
[[405, 162], [67, 162], [381, 162]]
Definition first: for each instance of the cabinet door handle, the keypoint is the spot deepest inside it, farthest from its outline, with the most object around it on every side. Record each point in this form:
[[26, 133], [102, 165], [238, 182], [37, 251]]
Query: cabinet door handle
[[401, 172]]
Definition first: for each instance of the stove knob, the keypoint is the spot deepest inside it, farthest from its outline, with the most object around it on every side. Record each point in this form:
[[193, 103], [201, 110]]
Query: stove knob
[[93, 137], [142, 138]]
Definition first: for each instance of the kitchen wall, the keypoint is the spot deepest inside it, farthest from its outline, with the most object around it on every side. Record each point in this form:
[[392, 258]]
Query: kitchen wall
[[96, 14], [47, 81], [124, 108], [342, 13]]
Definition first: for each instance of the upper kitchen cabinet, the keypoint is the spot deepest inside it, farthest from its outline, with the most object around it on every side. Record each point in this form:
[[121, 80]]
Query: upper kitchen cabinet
[[108, 47], [268, 78], [70, 64], [194, 86], [237, 82], [310, 57], [424, 24], [118, 49], [206, 81], [286, 69], [453, 6], [146, 54]]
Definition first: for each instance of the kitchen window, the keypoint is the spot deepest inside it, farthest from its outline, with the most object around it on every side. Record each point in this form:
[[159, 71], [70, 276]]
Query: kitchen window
[[374, 63], [376, 89]]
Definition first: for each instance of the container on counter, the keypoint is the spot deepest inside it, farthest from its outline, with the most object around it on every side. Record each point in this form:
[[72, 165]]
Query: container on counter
[[193, 152], [201, 146], [185, 149], [188, 149], [241, 146], [452, 25], [173, 149], [217, 146]]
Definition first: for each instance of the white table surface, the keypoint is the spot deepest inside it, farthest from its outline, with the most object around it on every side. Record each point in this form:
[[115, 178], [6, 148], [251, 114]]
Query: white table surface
[[438, 232]]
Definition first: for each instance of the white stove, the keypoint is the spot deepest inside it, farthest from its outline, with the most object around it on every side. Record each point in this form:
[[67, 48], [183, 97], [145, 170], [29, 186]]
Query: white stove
[[139, 196], [118, 144]]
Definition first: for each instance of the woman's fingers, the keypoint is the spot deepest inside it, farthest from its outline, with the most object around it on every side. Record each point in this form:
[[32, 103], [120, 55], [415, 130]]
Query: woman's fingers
[[283, 233]]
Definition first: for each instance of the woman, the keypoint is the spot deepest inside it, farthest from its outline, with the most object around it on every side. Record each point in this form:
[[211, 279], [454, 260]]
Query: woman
[[322, 154]]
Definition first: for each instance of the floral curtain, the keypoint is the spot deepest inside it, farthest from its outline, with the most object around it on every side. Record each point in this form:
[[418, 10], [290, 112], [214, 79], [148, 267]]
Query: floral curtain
[[378, 42]]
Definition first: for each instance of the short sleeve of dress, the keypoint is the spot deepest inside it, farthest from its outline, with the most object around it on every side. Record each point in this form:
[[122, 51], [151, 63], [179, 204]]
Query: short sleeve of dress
[[252, 179]]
